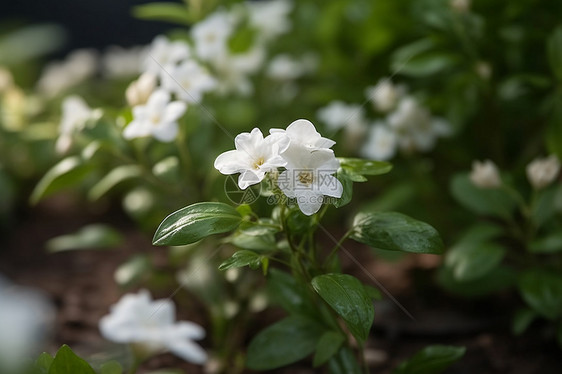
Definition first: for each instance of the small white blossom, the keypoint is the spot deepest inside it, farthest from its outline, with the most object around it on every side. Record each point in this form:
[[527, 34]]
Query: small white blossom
[[253, 158], [384, 95], [381, 144], [189, 81], [60, 76], [211, 35], [233, 70], [25, 317], [123, 62], [285, 68], [137, 319], [308, 177], [485, 174], [164, 53], [140, 90], [302, 132], [75, 114], [270, 18], [157, 118], [542, 171], [338, 114]]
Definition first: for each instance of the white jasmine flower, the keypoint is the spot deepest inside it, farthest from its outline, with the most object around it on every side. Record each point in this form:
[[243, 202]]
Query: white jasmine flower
[[381, 143], [25, 317], [338, 114], [461, 6], [60, 76], [140, 90], [138, 319], [157, 118], [253, 158], [233, 70], [542, 171], [270, 18], [164, 53], [302, 132], [75, 114], [189, 81], [485, 174], [211, 35], [285, 68], [308, 177], [123, 62], [384, 95]]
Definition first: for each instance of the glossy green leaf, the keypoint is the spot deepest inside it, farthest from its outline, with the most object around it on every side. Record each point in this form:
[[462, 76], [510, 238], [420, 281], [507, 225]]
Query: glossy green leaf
[[111, 367], [328, 345], [65, 174], [360, 167], [431, 360], [344, 362], [541, 290], [472, 260], [242, 258], [347, 183], [285, 291], [43, 364], [133, 270], [522, 320], [163, 11], [263, 243], [348, 298], [554, 50], [95, 236], [484, 201], [67, 362], [283, 343], [195, 222], [396, 232], [113, 178]]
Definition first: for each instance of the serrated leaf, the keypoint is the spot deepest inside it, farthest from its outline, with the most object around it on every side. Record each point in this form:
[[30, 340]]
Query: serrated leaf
[[195, 222], [163, 11], [112, 179], [283, 343], [328, 345], [396, 232], [242, 258], [347, 297], [68, 172], [472, 260], [88, 237], [67, 362], [431, 360], [541, 290]]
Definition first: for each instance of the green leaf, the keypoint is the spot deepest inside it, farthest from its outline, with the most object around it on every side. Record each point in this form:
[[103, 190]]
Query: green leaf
[[68, 172], [265, 243], [347, 183], [348, 298], [431, 360], [548, 244], [541, 290], [500, 279], [242, 258], [493, 202], [418, 59], [132, 271], [112, 179], [283, 343], [292, 296], [358, 167], [167, 169], [43, 363], [241, 40], [396, 232], [472, 260], [111, 367], [344, 362], [66, 362], [328, 345], [195, 222], [522, 320], [163, 11], [545, 207], [554, 50], [88, 237]]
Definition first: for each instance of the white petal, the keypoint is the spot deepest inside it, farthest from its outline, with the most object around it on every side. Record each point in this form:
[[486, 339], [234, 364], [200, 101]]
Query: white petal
[[189, 330], [136, 129], [232, 162], [166, 132], [286, 183], [309, 201], [249, 177], [174, 111], [187, 350], [329, 185]]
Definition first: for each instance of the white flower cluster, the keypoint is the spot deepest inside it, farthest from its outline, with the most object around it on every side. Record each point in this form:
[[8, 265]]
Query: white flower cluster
[[189, 70], [75, 114], [408, 126], [151, 324], [306, 156]]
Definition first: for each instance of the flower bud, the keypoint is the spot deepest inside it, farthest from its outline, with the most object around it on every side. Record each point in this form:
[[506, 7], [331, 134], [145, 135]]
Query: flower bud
[[485, 174], [542, 171], [140, 90]]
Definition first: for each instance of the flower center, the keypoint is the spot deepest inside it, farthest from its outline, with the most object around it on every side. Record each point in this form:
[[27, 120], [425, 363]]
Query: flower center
[[305, 177], [259, 162], [155, 119]]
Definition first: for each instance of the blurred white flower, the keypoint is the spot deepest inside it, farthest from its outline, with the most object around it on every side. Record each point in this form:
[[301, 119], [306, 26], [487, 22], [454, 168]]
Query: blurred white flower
[[189, 81], [140, 90], [211, 35], [60, 76], [384, 95], [270, 18], [350, 117], [542, 171], [485, 174], [302, 132], [253, 158], [25, 319], [461, 6], [75, 114], [157, 118], [284, 67], [233, 71], [137, 319], [163, 53], [381, 143], [120, 62], [6, 80], [308, 177]]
